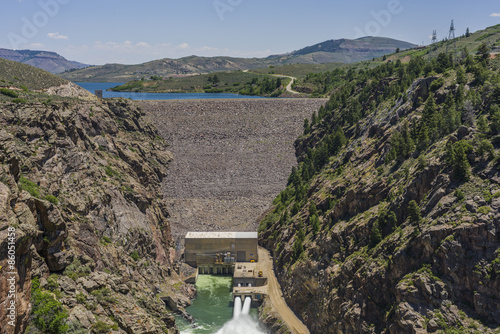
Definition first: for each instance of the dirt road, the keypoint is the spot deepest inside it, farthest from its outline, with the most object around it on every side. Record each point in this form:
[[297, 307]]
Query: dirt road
[[276, 296], [289, 87]]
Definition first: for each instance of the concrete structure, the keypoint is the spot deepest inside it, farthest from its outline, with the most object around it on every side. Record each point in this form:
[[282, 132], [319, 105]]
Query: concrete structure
[[98, 93], [248, 283], [219, 250], [228, 253]]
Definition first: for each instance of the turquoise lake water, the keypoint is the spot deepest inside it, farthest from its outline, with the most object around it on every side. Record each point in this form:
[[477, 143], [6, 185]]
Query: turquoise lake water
[[93, 86]]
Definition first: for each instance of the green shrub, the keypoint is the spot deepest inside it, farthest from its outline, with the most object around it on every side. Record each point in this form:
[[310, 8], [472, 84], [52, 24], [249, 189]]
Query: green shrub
[[19, 100], [459, 194], [101, 327], [29, 186], [80, 297], [484, 210], [105, 241], [52, 282], [111, 172], [76, 270], [49, 315], [375, 235], [104, 294], [135, 256], [52, 199], [436, 84], [8, 92]]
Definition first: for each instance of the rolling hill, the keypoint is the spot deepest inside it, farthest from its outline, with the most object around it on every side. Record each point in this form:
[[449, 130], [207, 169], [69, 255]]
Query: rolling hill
[[460, 46], [46, 60], [343, 51]]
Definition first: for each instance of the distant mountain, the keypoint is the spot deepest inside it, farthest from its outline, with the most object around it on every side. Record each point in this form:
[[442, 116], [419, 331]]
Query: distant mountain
[[46, 60], [345, 50], [165, 68], [342, 51]]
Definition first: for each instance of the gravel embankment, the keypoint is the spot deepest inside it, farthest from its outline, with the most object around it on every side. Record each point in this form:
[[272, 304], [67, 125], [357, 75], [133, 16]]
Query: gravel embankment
[[231, 157]]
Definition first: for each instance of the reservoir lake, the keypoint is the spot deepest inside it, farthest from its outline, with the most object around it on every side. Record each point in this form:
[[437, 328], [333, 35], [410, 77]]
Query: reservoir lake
[[93, 86]]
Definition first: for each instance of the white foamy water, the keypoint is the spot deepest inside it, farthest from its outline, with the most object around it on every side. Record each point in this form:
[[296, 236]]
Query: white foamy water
[[246, 306], [237, 307], [242, 322]]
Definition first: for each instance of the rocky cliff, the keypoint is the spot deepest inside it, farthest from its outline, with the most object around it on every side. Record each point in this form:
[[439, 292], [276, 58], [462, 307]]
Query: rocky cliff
[[80, 190], [391, 222]]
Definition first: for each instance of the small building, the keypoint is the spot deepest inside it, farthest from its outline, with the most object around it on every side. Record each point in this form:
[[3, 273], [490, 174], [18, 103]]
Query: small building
[[99, 94], [220, 249]]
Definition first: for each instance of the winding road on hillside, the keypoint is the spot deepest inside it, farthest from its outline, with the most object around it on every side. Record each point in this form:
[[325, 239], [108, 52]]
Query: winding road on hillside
[[289, 87], [276, 296]]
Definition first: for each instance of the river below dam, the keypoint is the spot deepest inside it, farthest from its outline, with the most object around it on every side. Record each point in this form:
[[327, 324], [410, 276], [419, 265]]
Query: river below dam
[[212, 310]]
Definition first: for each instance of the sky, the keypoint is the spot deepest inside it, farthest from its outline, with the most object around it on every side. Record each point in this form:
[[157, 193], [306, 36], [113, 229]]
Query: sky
[[133, 31]]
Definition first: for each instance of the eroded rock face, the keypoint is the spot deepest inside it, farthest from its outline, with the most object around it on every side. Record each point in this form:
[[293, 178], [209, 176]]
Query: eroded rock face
[[80, 184]]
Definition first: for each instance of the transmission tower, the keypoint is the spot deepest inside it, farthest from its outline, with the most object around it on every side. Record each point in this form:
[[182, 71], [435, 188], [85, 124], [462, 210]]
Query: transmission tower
[[434, 36], [451, 36]]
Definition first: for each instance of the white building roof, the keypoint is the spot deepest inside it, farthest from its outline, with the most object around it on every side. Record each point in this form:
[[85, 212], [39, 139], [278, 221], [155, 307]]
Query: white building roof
[[221, 235]]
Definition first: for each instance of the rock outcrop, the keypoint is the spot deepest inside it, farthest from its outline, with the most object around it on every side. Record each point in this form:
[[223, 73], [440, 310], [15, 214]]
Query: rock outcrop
[[80, 188]]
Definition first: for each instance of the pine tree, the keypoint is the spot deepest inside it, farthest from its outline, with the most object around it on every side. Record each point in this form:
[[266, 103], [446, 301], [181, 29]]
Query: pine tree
[[295, 208], [298, 249], [461, 166], [495, 119], [312, 209], [423, 138], [313, 118], [461, 78], [414, 214], [392, 220], [429, 117], [482, 125], [484, 51], [375, 235], [294, 177], [315, 224], [307, 127]]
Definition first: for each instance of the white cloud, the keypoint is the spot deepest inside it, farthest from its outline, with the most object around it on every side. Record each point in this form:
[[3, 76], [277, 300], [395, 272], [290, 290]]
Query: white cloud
[[495, 15], [56, 35], [36, 45], [183, 46]]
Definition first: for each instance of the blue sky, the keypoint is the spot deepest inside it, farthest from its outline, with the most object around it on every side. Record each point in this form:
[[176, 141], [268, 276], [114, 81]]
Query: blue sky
[[133, 31]]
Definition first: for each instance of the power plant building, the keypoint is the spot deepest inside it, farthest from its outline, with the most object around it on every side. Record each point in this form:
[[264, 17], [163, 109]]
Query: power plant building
[[220, 248]]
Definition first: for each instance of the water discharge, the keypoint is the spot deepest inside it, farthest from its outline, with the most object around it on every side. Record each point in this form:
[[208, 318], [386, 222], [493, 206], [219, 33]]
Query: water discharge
[[237, 307], [246, 306], [213, 312], [242, 322]]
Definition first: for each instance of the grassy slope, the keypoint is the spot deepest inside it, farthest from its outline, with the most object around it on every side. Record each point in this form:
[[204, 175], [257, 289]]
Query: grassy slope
[[15, 74], [300, 70], [490, 36]]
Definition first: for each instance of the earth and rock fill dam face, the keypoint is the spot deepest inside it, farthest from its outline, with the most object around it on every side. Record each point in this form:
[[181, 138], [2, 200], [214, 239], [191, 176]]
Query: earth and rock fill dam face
[[231, 158]]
